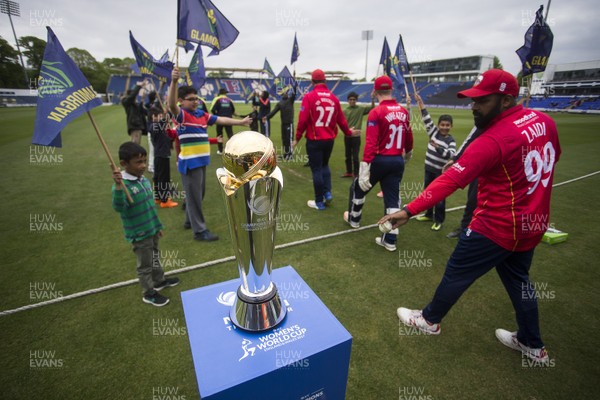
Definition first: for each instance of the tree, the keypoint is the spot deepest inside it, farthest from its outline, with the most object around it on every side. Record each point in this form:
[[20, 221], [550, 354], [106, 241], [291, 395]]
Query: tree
[[34, 51], [11, 72], [94, 71], [120, 66], [497, 63]]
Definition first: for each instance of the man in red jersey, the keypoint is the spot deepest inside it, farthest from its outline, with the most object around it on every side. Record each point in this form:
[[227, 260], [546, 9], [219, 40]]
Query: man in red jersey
[[320, 114], [389, 140], [514, 160]]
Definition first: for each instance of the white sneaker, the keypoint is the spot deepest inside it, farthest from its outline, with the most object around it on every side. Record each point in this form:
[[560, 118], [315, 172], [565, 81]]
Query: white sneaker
[[315, 205], [509, 339], [415, 318], [351, 223], [384, 244]]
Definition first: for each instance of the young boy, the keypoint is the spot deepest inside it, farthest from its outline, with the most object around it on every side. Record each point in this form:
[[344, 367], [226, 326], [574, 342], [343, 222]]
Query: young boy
[[195, 151], [140, 222], [354, 115], [162, 157], [441, 148]]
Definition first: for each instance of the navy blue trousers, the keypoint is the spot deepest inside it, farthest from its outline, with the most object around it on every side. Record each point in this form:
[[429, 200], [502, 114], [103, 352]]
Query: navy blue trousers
[[473, 257], [318, 152]]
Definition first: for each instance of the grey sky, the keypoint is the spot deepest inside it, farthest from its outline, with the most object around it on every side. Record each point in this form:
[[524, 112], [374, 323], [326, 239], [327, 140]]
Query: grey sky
[[329, 32]]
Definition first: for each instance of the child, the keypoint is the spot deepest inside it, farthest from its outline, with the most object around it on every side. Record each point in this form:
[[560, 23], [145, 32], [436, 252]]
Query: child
[[140, 222], [195, 151], [162, 157], [441, 148]]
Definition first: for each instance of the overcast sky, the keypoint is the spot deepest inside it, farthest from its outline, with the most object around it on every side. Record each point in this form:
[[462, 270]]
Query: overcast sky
[[329, 32]]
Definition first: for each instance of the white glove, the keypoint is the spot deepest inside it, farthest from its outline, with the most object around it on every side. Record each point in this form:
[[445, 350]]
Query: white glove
[[364, 174]]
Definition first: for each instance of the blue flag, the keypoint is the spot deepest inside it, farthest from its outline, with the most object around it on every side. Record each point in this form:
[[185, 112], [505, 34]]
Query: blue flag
[[164, 57], [148, 65], [187, 46], [63, 94], [386, 58], [282, 83], [399, 65], [196, 75], [295, 50], [535, 52], [199, 21], [267, 68]]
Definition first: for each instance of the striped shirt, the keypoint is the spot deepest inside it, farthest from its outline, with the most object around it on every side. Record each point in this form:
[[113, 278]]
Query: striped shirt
[[140, 220], [435, 159], [193, 139]]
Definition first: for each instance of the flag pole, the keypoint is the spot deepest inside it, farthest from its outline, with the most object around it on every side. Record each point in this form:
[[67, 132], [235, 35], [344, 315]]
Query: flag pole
[[105, 147]]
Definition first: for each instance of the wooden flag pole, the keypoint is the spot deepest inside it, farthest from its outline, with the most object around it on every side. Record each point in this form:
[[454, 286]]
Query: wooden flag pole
[[112, 162]]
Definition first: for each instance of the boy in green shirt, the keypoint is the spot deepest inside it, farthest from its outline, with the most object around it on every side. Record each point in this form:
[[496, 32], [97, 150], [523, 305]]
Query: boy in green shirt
[[140, 221]]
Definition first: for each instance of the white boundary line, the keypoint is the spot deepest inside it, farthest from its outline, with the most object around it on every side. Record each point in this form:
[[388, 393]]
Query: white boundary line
[[222, 260]]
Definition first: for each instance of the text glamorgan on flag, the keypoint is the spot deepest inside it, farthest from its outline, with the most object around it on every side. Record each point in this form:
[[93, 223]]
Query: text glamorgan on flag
[[199, 21], [63, 94]]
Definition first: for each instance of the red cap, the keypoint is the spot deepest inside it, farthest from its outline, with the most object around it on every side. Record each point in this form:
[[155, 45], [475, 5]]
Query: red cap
[[490, 82], [383, 83], [318, 75]]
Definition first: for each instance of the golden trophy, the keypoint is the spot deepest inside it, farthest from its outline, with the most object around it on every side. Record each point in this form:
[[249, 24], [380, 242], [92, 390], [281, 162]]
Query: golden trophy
[[252, 184]]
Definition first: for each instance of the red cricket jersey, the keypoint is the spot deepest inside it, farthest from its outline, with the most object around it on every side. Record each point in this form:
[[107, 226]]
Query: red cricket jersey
[[388, 131], [514, 161], [320, 113]]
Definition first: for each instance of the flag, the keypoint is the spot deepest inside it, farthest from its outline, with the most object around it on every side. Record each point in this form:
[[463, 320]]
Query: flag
[[196, 75], [386, 58], [535, 52], [283, 82], [267, 68], [399, 65], [199, 21], [187, 46], [148, 65], [135, 69], [164, 57], [295, 50], [63, 94]]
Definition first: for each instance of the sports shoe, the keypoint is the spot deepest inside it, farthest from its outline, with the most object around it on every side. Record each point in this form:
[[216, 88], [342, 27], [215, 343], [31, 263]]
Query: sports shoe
[[436, 226], [509, 339], [316, 205], [351, 223], [423, 217], [155, 299], [328, 198], [380, 194], [169, 204], [384, 244], [169, 282], [219, 152], [454, 234], [347, 175], [415, 318], [206, 236]]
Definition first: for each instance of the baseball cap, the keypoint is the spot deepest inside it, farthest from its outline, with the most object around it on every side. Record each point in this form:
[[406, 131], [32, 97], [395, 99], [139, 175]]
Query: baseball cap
[[490, 82], [318, 75], [383, 83]]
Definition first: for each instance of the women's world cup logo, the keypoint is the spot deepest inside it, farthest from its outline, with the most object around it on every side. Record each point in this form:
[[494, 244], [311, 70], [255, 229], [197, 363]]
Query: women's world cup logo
[[252, 184]]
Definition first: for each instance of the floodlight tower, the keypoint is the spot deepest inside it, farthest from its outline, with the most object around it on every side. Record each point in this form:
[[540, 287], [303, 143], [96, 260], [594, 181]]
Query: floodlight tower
[[367, 35], [12, 8]]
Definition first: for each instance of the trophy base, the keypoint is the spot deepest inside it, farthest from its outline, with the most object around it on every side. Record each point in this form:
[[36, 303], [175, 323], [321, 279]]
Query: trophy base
[[257, 314]]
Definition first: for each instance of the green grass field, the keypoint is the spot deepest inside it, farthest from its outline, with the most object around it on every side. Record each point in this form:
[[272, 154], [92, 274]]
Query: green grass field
[[60, 236]]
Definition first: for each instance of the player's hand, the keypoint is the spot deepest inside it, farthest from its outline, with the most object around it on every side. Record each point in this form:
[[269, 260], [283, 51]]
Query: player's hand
[[118, 178], [355, 132], [397, 219], [419, 101], [447, 165], [294, 143], [246, 121]]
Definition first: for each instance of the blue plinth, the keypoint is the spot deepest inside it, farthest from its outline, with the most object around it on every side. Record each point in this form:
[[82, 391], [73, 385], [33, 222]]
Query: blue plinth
[[306, 357]]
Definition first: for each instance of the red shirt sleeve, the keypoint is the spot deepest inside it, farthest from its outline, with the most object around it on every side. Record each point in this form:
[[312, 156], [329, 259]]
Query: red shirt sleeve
[[371, 137], [303, 117], [481, 155]]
